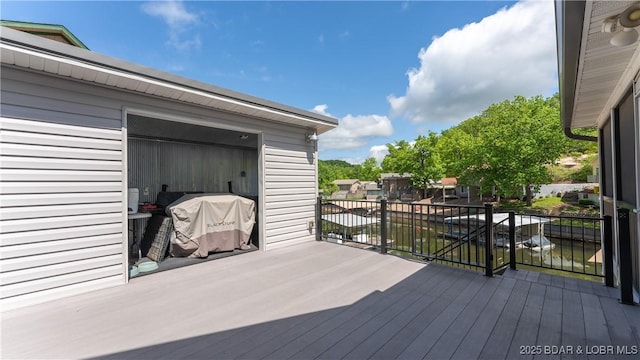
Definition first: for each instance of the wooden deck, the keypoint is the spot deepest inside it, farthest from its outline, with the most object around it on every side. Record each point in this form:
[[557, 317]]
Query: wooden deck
[[322, 300]]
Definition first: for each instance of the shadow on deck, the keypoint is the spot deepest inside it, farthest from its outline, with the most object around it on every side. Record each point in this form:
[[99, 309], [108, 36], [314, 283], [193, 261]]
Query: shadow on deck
[[328, 301]]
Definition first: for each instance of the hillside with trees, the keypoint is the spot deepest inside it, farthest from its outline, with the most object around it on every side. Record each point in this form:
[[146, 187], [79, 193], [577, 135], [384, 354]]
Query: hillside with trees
[[330, 170], [510, 145]]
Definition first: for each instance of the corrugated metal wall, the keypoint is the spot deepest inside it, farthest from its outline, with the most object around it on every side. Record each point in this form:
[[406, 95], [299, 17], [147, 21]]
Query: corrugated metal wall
[[189, 167], [61, 210]]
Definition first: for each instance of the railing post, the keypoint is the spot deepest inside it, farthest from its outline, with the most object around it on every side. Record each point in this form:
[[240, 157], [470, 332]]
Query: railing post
[[488, 239], [624, 246], [319, 219], [413, 229], [512, 240], [607, 256], [383, 226]]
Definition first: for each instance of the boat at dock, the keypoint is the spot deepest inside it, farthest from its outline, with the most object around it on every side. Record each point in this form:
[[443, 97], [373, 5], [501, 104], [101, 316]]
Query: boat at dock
[[529, 230]]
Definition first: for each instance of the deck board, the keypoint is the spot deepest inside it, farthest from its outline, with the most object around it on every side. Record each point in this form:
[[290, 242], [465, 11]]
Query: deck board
[[595, 325], [473, 341], [496, 346], [550, 322], [528, 323], [322, 300], [622, 334], [573, 320]]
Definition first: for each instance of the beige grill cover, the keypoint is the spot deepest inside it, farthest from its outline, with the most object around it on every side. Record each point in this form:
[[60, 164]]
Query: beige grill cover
[[207, 223]]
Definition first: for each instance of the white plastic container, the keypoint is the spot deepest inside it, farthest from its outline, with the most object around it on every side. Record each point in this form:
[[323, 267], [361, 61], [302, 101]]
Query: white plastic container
[[132, 200]]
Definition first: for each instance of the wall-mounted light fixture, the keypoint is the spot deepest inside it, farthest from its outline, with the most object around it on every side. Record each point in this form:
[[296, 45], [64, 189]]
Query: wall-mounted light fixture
[[623, 26], [311, 137]]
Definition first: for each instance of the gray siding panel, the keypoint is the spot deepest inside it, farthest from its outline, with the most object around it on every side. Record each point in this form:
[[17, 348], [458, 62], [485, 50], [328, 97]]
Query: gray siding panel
[[61, 209], [290, 186], [29, 95]]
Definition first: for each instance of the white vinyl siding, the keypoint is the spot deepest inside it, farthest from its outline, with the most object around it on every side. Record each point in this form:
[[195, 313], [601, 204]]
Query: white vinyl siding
[[61, 210], [290, 187]]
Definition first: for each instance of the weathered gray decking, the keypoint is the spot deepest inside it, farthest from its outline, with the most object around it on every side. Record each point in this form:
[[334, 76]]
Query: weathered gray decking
[[321, 300]]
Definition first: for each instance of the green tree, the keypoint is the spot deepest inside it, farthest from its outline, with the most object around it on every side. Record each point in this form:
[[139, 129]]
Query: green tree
[[399, 159], [421, 160], [510, 144], [454, 148], [368, 170], [326, 176], [427, 166]]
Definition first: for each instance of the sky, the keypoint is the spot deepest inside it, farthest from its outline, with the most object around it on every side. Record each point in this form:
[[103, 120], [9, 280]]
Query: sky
[[387, 70]]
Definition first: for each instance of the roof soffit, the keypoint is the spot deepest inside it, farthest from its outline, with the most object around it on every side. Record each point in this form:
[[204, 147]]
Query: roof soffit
[[604, 71]]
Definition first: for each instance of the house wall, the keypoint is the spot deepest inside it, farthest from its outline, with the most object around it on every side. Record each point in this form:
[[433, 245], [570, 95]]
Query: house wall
[[61, 209], [398, 188], [626, 135], [286, 180], [618, 139]]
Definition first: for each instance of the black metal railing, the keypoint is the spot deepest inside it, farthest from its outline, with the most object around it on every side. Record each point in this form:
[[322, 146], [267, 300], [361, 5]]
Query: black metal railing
[[555, 243], [418, 231], [458, 235]]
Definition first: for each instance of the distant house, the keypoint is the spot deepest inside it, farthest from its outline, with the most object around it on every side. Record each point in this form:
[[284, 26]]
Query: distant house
[[595, 172], [589, 194], [398, 187], [348, 189], [53, 32], [373, 191], [446, 188], [349, 185]]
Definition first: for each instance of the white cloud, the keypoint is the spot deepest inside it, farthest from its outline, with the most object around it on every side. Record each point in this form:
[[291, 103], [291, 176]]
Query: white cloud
[[321, 109], [512, 52], [177, 18], [353, 131], [378, 152]]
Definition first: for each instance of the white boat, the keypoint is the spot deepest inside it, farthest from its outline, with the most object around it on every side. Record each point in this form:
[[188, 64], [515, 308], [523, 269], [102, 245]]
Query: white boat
[[537, 242], [528, 230]]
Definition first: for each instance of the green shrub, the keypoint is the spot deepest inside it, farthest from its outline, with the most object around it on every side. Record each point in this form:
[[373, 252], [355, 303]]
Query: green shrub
[[581, 175], [585, 202]]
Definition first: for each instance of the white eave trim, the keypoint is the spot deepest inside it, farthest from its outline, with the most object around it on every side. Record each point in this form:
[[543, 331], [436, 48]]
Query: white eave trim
[[624, 84], [142, 83]]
